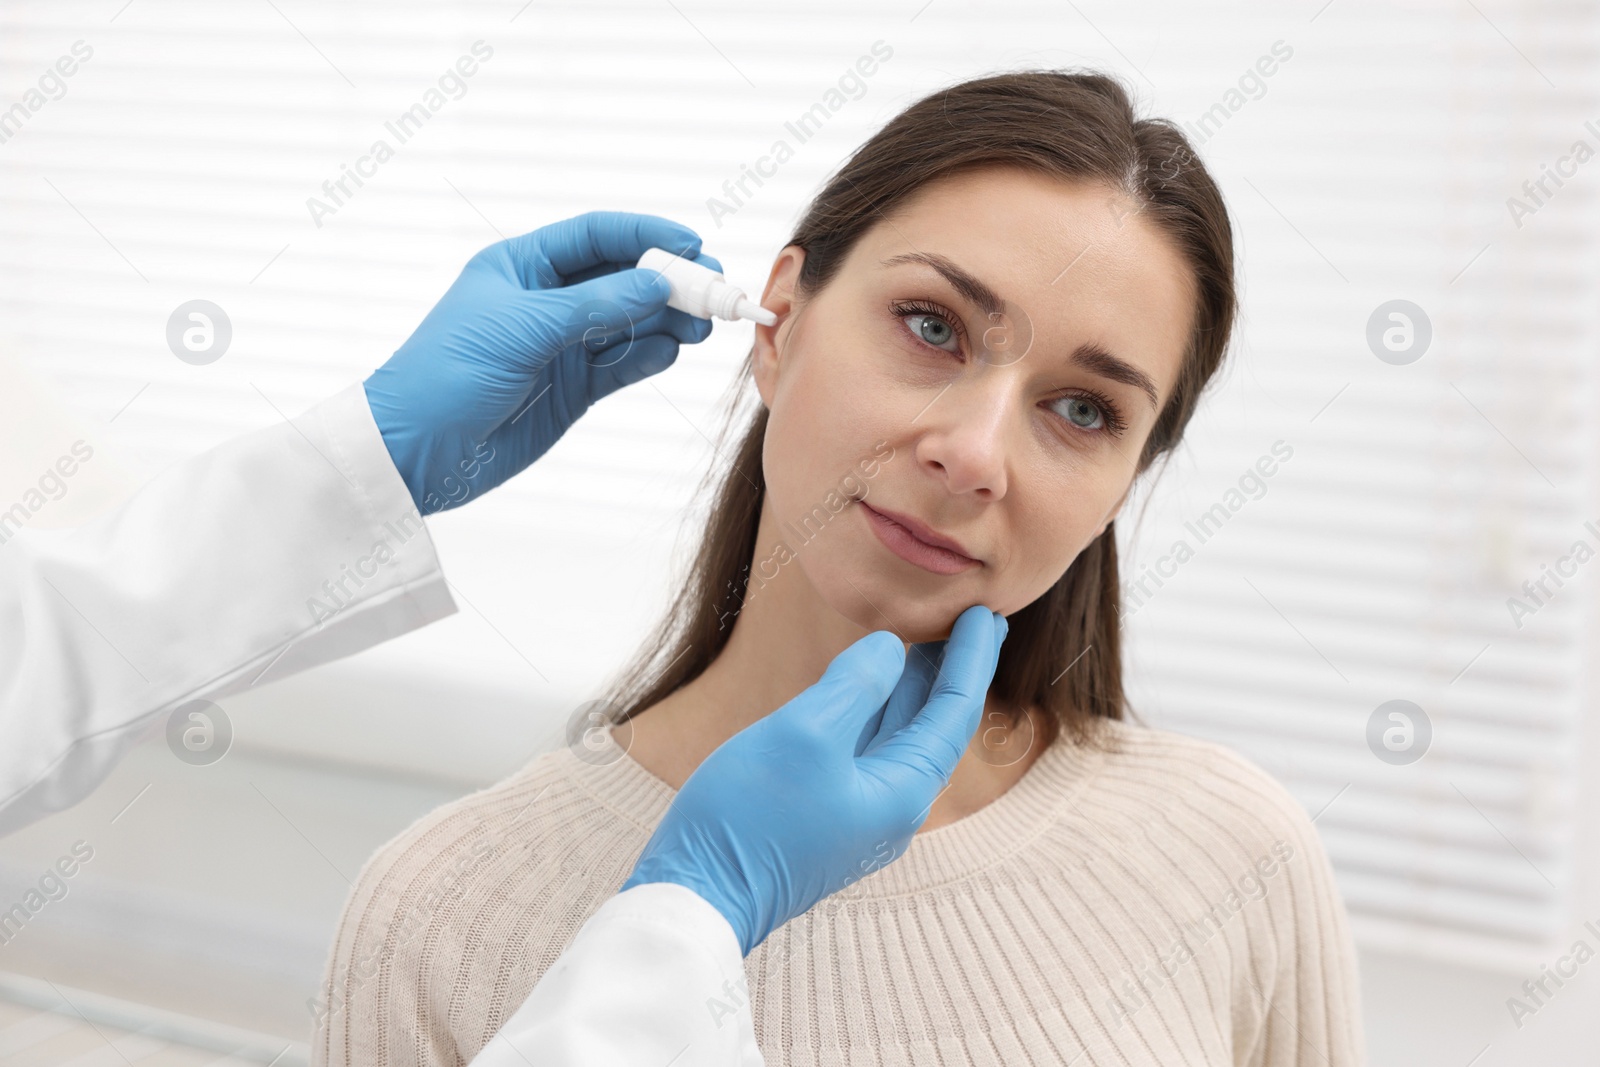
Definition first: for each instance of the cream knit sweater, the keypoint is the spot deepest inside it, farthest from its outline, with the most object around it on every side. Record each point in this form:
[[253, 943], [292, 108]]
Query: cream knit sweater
[[1155, 900]]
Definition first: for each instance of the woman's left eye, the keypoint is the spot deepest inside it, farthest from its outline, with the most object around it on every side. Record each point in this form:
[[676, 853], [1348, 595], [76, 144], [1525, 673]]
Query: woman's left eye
[[1083, 413], [933, 329]]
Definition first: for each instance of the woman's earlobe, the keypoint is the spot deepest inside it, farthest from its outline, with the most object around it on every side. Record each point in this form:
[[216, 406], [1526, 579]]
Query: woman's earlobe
[[764, 354]]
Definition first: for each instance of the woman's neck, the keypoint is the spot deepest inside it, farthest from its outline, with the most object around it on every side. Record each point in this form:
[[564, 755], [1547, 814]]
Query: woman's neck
[[784, 637]]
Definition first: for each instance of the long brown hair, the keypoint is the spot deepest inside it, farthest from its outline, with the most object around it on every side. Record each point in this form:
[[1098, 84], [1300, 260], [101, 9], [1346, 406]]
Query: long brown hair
[[1062, 653]]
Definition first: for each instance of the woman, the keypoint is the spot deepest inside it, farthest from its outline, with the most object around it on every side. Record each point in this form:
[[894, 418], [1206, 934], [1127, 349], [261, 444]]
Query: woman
[[998, 313]]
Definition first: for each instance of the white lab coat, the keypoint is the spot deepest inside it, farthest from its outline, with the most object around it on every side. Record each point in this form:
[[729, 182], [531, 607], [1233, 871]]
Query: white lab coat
[[202, 585]]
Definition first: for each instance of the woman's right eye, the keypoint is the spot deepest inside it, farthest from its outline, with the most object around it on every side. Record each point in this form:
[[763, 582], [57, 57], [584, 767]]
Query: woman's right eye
[[932, 329]]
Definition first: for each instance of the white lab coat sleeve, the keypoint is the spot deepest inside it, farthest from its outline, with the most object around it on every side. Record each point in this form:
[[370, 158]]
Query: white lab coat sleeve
[[286, 547], [654, 977]]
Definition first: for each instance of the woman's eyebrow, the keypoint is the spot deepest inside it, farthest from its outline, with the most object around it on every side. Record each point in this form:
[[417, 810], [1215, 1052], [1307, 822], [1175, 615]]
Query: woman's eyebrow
[[1089, 356], [967, 285]]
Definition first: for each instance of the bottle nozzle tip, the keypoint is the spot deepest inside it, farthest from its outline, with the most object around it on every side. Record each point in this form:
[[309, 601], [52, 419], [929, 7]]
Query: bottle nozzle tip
[[749, 309]]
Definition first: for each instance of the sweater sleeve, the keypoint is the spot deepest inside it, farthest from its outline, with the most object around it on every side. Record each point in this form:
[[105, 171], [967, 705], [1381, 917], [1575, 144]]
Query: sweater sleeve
[[1301, 1004]]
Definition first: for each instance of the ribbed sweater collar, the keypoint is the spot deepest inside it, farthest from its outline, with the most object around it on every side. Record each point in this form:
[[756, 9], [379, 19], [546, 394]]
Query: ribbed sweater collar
[[933, 858]]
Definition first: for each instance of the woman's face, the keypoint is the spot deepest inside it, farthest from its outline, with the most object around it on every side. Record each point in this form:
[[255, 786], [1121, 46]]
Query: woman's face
[[988, 364]]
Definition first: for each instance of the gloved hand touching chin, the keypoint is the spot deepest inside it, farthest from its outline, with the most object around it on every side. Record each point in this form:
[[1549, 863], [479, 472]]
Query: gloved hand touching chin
[[535, 330], [830, 786]]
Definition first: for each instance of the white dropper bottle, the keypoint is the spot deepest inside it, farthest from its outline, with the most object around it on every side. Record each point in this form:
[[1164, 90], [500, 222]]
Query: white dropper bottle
[[703, 292]]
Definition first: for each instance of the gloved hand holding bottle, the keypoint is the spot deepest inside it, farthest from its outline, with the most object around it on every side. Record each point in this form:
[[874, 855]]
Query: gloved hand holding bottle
[[830, 786], [535, 330]]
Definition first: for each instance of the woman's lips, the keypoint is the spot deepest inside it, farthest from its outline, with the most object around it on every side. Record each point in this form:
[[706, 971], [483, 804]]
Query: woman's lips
[[903, 543]]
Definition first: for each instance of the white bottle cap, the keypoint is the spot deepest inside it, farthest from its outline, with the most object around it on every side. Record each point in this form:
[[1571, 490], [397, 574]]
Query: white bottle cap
[[701, 291]]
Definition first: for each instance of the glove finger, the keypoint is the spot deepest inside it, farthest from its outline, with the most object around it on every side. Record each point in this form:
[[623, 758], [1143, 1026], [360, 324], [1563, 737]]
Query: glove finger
[[687, 329], [646, 356], [929, 746], [608, 358], [679, 325], [851, 690], [606, 301], [595, 311], [520, 439], [910, 694], [596, 237]]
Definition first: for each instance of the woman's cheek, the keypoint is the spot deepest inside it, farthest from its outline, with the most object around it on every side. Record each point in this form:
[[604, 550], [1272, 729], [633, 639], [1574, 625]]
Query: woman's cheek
[[1041, 555]]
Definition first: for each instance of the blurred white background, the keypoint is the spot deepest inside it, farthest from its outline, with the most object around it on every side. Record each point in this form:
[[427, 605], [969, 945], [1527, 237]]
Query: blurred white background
[[1375, 163]]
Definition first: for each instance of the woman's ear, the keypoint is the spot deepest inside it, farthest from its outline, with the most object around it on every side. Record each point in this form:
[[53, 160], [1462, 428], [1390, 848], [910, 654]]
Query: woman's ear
[[778, 297]]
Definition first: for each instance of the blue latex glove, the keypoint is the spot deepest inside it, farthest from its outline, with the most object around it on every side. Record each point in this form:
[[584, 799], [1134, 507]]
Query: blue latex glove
[[830, 786], [535, 330]]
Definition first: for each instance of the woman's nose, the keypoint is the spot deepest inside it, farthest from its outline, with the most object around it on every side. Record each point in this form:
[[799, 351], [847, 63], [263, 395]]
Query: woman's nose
[[965, 437]]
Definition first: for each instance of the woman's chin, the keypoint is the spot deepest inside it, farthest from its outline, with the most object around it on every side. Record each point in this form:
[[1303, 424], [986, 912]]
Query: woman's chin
[[874, 601]]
